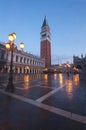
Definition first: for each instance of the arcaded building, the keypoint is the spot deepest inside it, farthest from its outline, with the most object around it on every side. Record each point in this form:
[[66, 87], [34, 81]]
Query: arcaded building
[[45, 43], [23, 62], [2, 56]]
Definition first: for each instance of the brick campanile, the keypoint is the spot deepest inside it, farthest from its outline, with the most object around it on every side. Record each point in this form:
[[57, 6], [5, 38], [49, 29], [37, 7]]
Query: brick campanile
[[45, 44]]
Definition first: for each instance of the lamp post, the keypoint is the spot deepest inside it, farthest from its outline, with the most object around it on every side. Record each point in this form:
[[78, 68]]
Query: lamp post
[[10, 46]]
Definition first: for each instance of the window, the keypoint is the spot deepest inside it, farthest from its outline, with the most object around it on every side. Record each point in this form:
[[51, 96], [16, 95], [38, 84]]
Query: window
[[24, 60], [16, 58], [20, 59]]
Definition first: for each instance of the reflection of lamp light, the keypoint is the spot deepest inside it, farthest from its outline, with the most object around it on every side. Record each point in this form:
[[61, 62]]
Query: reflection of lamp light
[[26, 78], [76, 80], [26, 82], [61, 79], [55, 76], [69, 88], [46, 77]]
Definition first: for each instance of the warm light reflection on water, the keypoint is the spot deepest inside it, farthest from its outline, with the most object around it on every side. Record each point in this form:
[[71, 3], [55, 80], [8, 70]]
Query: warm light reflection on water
[[55, 76], [26, 81], [76, 80], [38, 76], [26, 78], [46, 76], [46, 79], [69, 87], [61, 79]]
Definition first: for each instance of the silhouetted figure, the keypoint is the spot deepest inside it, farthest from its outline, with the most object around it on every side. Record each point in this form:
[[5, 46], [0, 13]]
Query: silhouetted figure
[[68, 74]]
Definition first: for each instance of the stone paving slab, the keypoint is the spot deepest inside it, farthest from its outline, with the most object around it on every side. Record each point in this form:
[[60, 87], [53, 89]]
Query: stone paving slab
[[74, 102], [18, 115], [37, 105], [33, 93]]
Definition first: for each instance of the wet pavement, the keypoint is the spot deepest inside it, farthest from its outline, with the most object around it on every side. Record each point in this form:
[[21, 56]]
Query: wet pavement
[[44, 102]]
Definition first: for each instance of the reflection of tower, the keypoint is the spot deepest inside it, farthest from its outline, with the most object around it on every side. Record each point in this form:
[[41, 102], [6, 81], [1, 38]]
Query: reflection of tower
[[45, 44]]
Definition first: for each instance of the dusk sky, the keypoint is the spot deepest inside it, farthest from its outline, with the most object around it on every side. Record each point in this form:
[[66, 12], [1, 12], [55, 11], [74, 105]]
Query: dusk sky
[[66, 19]]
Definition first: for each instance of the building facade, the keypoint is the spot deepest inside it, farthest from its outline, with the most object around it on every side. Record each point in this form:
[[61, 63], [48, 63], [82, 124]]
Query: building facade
[[2, 56], [45, 43], [80, 62], [23, 62]]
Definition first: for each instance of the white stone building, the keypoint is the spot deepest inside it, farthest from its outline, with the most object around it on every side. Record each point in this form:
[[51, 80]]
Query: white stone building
[[2, 56], [24, 62]]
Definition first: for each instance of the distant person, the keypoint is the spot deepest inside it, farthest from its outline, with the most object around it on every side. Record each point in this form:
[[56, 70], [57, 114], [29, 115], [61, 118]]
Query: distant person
[[68, 74]]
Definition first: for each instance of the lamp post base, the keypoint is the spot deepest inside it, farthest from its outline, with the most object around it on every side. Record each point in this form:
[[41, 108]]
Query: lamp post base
[[10, 87]]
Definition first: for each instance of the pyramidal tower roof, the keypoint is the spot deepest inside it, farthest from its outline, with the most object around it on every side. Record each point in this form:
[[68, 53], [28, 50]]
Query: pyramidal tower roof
[[44, 22]]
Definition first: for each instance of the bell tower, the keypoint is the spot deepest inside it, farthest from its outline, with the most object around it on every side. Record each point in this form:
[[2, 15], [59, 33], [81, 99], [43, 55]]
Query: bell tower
[[45, 43]]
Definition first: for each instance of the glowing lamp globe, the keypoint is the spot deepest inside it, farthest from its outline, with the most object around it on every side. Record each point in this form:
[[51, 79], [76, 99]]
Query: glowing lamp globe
[[7, 45], [21, 45]]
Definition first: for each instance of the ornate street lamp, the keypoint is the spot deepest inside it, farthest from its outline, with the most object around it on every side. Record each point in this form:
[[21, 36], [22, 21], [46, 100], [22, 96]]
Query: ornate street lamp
[[10, 47]]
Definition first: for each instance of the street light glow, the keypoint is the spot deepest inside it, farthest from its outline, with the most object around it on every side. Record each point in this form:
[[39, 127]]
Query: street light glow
[[7, 45], [12, 37], [21, 45]]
